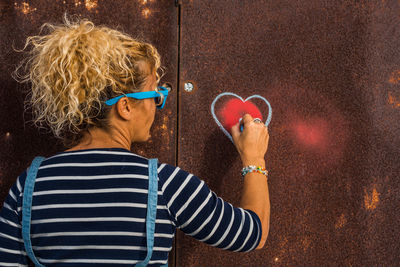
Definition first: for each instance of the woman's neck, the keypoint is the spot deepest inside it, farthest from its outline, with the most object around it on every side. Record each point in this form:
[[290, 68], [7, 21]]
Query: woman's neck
[[99, 138]]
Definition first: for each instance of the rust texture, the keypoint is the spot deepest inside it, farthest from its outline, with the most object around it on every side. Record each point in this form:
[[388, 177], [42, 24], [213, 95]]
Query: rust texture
[[20, 141], [331, 71]]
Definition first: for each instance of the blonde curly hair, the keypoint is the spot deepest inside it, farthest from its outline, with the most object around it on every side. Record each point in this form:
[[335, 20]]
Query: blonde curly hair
[[74, 68]]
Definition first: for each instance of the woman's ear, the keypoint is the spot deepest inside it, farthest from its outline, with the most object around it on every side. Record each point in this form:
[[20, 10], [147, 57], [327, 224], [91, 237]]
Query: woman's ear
[[124, 109]]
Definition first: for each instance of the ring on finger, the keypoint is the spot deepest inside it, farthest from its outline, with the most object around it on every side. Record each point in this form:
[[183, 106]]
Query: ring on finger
[[257, 120]]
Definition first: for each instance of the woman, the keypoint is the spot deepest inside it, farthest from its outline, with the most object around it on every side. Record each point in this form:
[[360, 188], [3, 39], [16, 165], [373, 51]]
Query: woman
[[96, 88]]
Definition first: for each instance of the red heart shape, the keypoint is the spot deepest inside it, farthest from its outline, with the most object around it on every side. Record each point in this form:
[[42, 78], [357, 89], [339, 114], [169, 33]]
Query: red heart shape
[[234, 109]]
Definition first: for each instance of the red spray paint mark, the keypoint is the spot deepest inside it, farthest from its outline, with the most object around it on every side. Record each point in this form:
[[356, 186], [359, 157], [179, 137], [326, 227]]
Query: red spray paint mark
[[235, 109], [321, 137], [318, 140], [313, 134]]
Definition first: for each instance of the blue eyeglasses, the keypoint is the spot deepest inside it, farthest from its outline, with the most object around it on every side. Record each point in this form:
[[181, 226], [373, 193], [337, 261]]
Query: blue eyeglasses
[[159, 95]]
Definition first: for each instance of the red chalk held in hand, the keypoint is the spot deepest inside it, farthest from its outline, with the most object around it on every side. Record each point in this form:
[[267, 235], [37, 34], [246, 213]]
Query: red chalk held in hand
[[234, 109]]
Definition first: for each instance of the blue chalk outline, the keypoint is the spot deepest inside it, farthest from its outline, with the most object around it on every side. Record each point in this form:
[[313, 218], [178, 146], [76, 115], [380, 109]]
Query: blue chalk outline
[[267, 122]]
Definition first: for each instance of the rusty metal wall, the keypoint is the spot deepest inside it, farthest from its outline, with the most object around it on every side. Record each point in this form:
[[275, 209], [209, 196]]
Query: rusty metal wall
[[153, 21], [331, 71]]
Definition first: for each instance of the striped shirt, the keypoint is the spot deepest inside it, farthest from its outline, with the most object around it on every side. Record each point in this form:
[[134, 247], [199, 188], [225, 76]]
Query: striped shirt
[[89, 207]]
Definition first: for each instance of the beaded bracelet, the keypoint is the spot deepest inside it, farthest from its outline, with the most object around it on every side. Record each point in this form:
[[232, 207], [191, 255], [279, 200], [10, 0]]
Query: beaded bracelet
[[252, 168]]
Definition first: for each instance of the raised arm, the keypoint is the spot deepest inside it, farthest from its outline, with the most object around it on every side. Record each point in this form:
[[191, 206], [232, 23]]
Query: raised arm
[[252, 145], [200, 213]]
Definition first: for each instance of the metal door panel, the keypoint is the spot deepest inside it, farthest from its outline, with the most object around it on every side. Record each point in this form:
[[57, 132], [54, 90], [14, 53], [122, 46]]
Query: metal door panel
[[152, 21], [330, 70]]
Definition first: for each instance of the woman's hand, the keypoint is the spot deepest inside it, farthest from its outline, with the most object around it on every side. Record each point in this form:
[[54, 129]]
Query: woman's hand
[[252, 143]]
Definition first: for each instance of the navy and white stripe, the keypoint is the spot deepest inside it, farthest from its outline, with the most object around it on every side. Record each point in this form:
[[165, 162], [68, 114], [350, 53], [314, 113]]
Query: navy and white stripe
[[89, 207]]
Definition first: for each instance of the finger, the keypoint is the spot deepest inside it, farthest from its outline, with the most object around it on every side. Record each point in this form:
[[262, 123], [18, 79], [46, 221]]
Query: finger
[[267, 135], [266, 131], [247, 118], [235, 132]]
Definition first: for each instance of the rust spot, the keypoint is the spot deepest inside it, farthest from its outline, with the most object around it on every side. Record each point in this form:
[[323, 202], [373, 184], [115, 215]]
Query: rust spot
[[164, 129], [341, 221], [146, 13], [90, 4], [164, 126], [25, 8], [395, 77], [371, 200], [393, 100], [283, 249], [306, 242]]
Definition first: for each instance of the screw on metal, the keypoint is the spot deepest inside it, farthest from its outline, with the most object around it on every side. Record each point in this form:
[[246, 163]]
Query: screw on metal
[[189, 87]]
